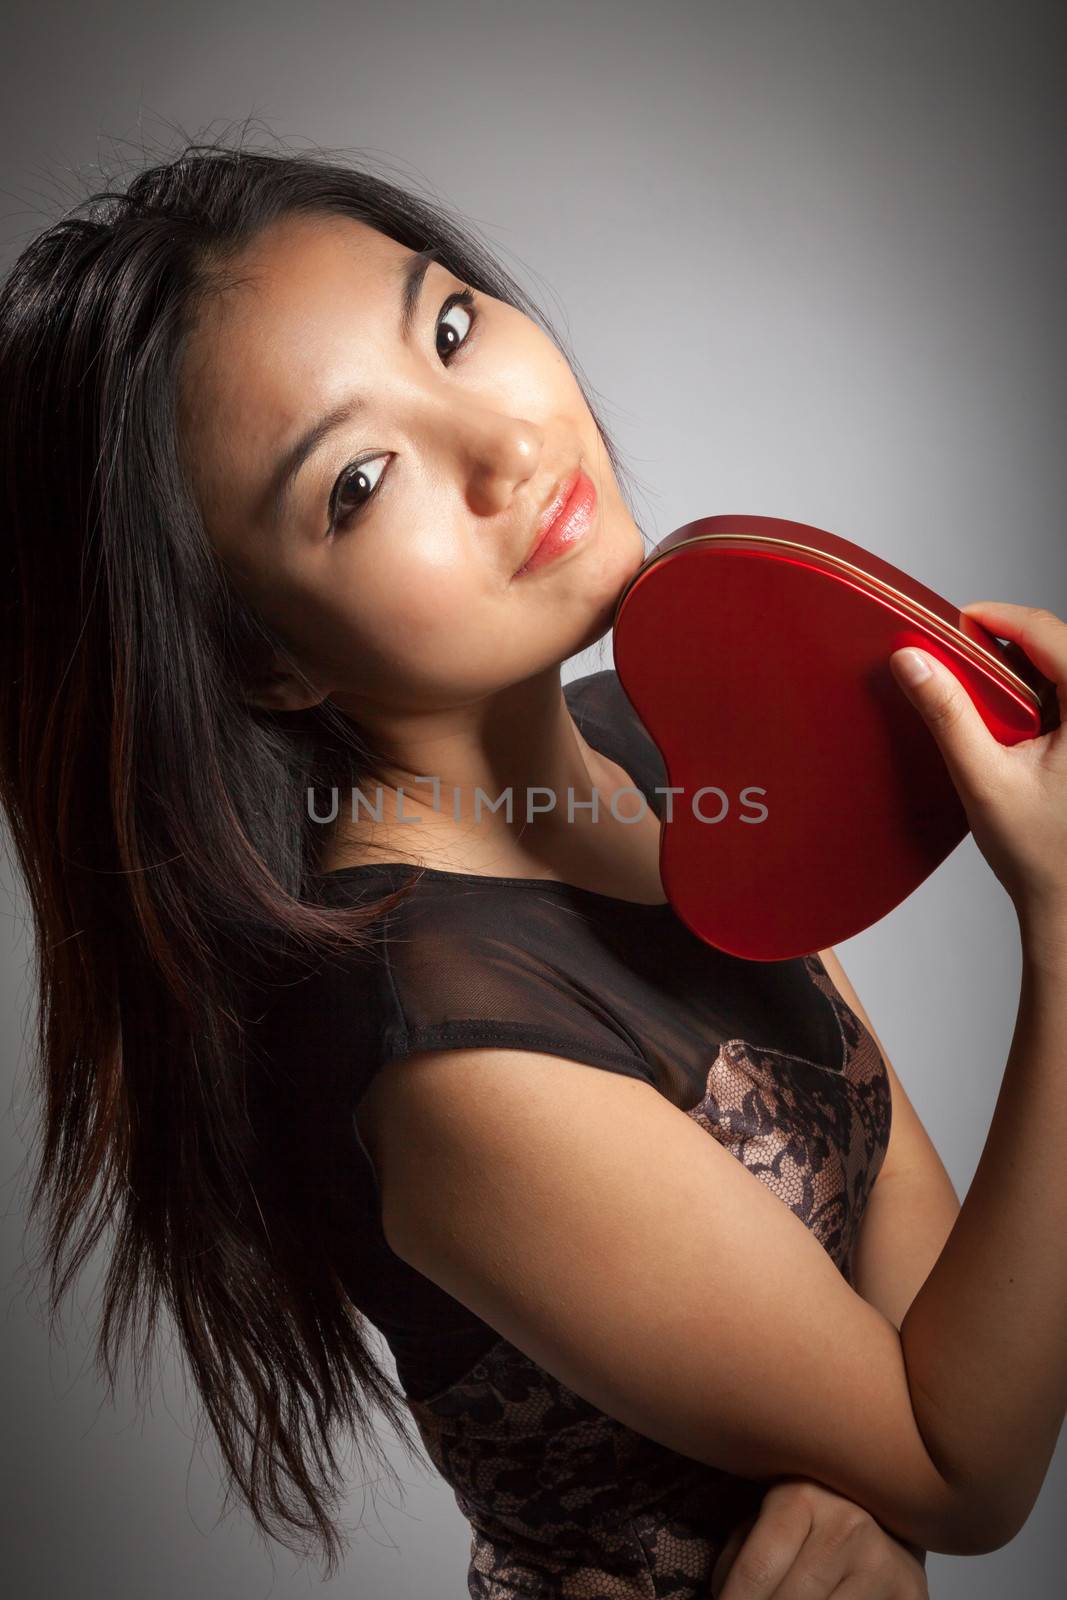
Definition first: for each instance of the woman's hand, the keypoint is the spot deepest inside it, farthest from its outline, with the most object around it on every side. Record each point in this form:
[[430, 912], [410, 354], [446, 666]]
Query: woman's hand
[[1015, 796], [808, 1542]]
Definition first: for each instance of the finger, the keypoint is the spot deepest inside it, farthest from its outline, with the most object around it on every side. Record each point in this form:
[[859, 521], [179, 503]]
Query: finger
[[767, 1553], [968, 747], [728, 1555], [881, 1567], [832, 1550], [1039, 633]]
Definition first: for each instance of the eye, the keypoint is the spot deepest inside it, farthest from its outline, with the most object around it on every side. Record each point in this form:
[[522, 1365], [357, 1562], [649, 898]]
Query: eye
[[356, 476], [465, 301], [360, 478]]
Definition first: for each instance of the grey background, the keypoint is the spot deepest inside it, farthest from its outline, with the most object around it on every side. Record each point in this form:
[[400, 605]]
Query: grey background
[[811, 257]]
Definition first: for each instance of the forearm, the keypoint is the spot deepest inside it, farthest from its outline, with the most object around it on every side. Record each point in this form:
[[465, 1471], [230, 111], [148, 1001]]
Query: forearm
[[985, 1339], [908, 1218]]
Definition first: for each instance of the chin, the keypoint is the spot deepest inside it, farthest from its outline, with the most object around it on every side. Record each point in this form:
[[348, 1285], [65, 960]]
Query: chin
[[600, 621], [603, 582]]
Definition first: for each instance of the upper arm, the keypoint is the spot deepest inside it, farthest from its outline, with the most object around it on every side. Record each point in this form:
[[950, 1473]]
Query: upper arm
[[913, 1205], [606, 1235]]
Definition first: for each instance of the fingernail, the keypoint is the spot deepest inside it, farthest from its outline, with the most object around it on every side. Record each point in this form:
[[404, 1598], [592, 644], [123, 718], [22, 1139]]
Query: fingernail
[[911, 666]]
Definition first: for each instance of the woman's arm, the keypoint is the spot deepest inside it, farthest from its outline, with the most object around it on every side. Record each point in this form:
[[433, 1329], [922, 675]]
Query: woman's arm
[[993, 1311], [985, 1338], [913, 1205], [603, 1233]]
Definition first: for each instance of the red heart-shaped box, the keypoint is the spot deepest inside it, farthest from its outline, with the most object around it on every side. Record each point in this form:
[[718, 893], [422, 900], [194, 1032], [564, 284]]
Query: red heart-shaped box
[[756, 651]]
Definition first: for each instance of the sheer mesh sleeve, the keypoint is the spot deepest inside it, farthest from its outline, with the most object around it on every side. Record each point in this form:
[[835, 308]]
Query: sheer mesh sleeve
[[457, 976]]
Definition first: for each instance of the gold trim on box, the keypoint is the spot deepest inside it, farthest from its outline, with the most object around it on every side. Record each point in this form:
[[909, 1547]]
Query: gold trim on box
[[980, 656]]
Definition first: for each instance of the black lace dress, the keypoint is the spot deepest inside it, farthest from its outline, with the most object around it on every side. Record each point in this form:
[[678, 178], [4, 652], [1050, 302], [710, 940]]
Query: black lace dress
[[564, 1500]]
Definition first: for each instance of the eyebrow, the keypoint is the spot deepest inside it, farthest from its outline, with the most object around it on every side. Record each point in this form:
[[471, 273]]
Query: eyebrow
[[412, 273]]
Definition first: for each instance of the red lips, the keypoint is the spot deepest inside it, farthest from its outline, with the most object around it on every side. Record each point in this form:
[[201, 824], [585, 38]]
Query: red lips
[[570, 526], [555, 508]]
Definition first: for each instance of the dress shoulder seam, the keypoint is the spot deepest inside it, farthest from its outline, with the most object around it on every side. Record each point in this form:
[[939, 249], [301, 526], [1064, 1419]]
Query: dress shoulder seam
[[520, 1035]]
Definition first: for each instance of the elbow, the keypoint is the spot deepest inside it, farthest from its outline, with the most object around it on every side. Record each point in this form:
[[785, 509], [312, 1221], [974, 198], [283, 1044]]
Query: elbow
[[971, 1539], [982, 1523], [971, 1514], [978, 1538], [996, 1529]]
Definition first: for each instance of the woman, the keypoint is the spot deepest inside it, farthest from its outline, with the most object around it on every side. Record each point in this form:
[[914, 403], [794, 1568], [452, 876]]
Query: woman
[[281, 440]]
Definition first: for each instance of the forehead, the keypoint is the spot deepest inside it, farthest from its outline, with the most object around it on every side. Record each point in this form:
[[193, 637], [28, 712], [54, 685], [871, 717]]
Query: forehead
[[274, 347]]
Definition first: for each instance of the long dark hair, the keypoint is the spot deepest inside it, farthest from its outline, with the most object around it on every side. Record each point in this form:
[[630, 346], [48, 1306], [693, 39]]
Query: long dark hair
[[161, 824]]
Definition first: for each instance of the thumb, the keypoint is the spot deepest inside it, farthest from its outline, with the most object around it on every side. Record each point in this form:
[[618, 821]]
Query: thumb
[[951, 716]]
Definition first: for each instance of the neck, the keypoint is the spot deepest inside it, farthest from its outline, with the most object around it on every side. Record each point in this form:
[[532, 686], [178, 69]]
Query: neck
[[482, 782]]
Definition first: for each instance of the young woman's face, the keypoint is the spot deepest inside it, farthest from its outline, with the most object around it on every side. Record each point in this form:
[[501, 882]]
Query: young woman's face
[[438, 480]]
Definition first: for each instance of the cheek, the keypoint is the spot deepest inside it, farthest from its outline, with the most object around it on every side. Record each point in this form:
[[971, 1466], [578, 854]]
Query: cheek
[[401, 607], [422, 583]]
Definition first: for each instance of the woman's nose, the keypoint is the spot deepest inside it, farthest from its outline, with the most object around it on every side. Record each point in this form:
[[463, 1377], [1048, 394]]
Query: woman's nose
[[499, 454]]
